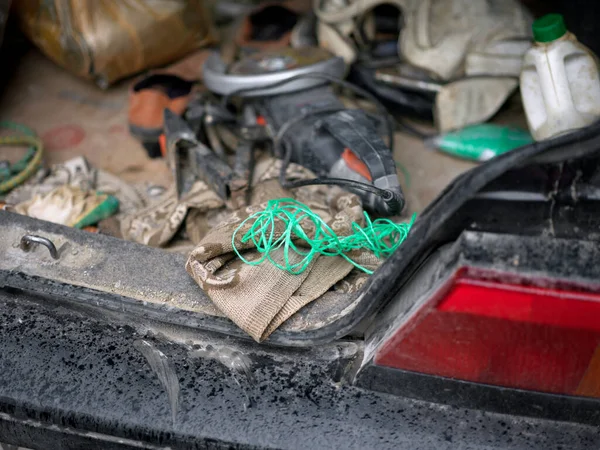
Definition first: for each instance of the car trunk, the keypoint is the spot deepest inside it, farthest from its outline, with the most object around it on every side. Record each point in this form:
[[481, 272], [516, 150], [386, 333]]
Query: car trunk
[[75, 118], [503, 217]]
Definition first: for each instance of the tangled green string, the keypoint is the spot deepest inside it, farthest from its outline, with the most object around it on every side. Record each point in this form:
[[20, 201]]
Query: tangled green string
[[290, 225]]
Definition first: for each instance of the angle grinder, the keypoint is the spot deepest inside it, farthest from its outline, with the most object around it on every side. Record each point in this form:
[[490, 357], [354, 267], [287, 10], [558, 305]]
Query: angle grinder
[[291, 92]]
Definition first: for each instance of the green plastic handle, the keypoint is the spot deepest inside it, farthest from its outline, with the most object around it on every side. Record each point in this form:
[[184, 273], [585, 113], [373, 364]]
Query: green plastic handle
[[107, 208], [481, 142]]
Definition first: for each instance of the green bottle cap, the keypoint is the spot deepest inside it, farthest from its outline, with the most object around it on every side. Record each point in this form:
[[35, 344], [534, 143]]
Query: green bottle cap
[[549, 28]]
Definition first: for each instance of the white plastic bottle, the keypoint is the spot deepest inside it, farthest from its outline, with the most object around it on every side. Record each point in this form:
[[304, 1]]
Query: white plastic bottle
[[560, 81]]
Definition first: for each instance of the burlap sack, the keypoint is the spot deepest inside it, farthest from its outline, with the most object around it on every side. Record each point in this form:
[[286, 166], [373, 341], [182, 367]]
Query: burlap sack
[[257, 298], [260, 298], [156, 224]]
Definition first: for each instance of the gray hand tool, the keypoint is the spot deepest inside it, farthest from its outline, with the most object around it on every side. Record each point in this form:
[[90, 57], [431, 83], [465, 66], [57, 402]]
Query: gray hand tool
[[191, 160]]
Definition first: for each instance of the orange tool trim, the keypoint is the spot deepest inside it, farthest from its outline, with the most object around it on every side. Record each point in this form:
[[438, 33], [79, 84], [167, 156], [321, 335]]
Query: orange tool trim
[[355, 164]]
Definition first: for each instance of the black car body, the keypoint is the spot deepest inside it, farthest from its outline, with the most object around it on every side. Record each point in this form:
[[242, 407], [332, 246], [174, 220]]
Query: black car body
[[112, 345]]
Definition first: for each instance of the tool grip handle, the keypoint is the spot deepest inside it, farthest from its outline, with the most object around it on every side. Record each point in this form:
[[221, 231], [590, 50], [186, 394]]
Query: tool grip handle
[[212, 170], [355, 131]]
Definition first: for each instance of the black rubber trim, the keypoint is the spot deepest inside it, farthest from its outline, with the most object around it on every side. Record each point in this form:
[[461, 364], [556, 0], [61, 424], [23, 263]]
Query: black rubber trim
[[464, 394]]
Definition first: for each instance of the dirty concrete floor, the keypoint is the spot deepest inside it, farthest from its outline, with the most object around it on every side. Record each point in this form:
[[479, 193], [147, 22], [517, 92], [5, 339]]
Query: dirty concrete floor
[[74, 117]]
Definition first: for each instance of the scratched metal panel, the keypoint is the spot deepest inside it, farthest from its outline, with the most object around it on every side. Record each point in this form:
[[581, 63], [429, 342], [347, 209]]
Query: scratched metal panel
[[101, 271]]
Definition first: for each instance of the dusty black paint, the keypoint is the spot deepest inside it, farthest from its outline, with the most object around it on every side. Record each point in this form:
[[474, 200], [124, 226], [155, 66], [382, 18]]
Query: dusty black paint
[[61, 368]]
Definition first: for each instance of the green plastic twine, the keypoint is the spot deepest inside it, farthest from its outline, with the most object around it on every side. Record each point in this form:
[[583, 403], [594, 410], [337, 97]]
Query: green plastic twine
[[290, 225]]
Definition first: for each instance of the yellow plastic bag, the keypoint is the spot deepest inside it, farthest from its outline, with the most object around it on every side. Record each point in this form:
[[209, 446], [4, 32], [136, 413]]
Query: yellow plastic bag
[[105, 40]]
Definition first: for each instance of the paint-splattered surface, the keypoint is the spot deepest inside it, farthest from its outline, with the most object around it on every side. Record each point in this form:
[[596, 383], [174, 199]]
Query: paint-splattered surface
[[79, 373], [63, 370]]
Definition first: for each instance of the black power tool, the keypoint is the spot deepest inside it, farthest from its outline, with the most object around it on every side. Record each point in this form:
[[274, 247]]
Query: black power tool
[[289, 91]]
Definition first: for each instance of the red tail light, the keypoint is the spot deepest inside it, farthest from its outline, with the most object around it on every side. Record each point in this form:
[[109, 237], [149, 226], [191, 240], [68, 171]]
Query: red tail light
[[478, 329]]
